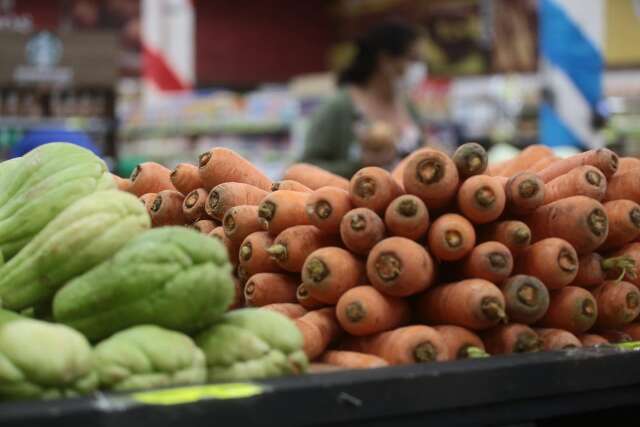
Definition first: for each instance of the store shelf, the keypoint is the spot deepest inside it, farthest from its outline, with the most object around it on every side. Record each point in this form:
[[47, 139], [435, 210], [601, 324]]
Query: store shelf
[[88, 124], [232, 128], [498, 391]]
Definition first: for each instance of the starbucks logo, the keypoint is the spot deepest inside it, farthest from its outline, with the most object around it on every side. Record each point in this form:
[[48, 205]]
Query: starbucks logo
[[44, 50]]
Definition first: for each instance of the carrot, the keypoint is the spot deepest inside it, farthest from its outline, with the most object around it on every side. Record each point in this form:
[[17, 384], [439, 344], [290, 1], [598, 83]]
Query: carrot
[[470, 159], [314, 177], [326, 206], [407, 216], [615, 336], [220, 165], [194, 203], [147, 200], [230, 194], [624, 223], [292, 311], [323, 368], [481, 199], [269, 288], [232, 249], [397, 172], [400, 267], [515, 235], [557, 339], [292, 247], [626, 164], [451, 237], [329, 272], [283, 209], [582, 181], [473, 303], [405, 345], [432, 176], [602, 158], [524, 193], [306, 300], [254, 256], [240, 221], [572, 309], [361, 229], [512, 338], [150, 177], [238, 296], [363, 310], [592, 340], [122, 183], [526, 299], [618, 304], [553, 261], [490, 261], [319, 329], [288, 184], [633, 330], [205, 226], [579, 220], [185, 178], [461, 343], [374, 188], [352, 359], [593, 268], [166, 209], [526, 158], [624, 186], [630, 271]]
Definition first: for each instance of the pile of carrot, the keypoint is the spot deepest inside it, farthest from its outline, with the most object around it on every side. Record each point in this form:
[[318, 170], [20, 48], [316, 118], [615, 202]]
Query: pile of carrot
[[445, 257]]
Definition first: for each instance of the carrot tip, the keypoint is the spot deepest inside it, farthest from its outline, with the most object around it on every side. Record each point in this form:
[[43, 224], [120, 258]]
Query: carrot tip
[[528, 188], [566, 261], [527, 342], [275, 186], [191, 199], [157, 204], [588, 308], [214, 200], [407, 208], [249, 289], [358, 222], [365, 187], [425, 352], [471, 352], [634, 216], [317, 270], [278, 252], [453, 238], [522, 236], [229, 223], [267, 210], [429, 171], [322, 209], [355, 311], [527, 295], [204, 158], [593, 178], [632, 299], [302, 293], [493, 309], [497, 260], [388, 267], [245, 251], [598, 222], [485, 197], [135, 173]]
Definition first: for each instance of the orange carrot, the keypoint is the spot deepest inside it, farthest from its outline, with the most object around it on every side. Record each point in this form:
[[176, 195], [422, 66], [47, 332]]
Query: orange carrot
[[166, 209], [238, 296], [353, 360], [283, 209], [473, 303], [400, 267], [582, 181], [470, 159], [526, 299], [432, 176], [232, 249], [292, 311], [592, 340], [554, 261], [572, 309], [481, 199], [557, 339], [633, 330], [306, 300], [374, 188], [542, 164], [221, 165], [490, 261], [593, 268], [288, 184], [405, 345], [579, 220], [193, 206], [319, 329], [147, 200], [526, 158], [150, 177], [626, 164], [205, 226], [185, 178], [512, 338], [254, 256], [314, 177], [451, 237], [624, 186], [363, 310], [225, 196], [461, 343], [240, 221], [632, 272], [326, 206], [618, 304], [524, 193], [397, 173], [407, 216], [360, 230], [331, 271], [614, 336], [292, 247], [122, 183], [269, 288], [624, 223], [602, 158], [515, 235]]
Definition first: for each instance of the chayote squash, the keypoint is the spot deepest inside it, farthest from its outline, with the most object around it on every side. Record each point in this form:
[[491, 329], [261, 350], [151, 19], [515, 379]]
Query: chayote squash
[[35, 188], [43, 360], [86, 233], [148, 356], [252, 343], [172, 277]]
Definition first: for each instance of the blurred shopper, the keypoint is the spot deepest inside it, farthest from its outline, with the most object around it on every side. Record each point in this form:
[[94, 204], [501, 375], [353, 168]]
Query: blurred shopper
[[370, 121]]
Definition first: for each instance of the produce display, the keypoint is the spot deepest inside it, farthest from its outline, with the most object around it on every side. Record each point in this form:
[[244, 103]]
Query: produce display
[[212, 272]]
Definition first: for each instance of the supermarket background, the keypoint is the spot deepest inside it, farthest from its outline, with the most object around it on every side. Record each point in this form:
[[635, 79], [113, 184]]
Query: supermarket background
[[165, 80]]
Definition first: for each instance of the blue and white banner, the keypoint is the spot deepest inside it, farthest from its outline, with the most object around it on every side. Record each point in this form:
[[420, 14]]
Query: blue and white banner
[[571, 41]]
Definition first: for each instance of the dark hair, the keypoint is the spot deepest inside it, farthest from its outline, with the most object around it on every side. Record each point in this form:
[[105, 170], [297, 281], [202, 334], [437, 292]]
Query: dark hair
[[392, 38]]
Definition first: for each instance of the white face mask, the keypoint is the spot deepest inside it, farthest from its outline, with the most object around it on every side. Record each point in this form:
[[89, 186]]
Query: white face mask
[[414, 75]]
